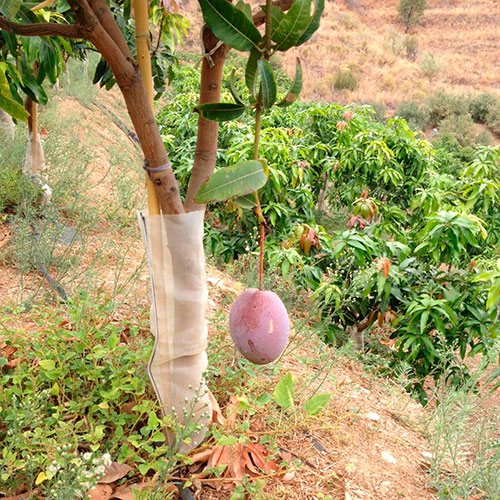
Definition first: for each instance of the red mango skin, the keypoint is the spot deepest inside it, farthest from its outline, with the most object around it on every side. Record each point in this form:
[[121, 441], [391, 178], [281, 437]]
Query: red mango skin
[[259, 325]]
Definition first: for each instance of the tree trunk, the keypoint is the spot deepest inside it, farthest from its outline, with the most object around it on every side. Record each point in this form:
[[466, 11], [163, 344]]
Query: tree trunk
[[206, 143], [322, 193]]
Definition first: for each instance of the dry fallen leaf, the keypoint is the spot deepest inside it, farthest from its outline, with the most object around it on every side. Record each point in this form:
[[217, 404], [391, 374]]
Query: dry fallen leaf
[[125, 492], [114, 472], [100, 492]]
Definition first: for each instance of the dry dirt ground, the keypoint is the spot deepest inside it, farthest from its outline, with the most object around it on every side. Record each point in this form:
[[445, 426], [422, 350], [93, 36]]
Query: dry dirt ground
[[368, 37], [367, 444]]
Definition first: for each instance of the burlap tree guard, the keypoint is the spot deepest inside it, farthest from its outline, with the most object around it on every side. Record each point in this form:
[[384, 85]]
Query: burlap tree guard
[[174, 246]]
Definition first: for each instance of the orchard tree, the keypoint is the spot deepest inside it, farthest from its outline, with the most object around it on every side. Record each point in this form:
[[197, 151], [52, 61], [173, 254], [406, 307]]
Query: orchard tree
[[411, 12], [288, 23]]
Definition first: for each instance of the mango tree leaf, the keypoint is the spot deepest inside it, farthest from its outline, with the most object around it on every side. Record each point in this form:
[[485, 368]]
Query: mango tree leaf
[[276, 15], [268, 83], [220, 111], [33, 89], [314, 21], [10, 40], [238, 180], [284, 392], [293, 24], [9, 8], [234, 90], [10, 106], [246, 202], [245, 8], [230, 25], [251, 74], [315, 405], [295, 88]]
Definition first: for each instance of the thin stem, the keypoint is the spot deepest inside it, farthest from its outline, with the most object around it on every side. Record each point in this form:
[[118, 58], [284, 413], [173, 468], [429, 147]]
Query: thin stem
[[261, 256], [267, 40], [258, 209], [258, 114]]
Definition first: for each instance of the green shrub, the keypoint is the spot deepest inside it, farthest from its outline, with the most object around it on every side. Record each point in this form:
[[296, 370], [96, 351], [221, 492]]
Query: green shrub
[[484, 138], [345, 80], [429, 66], [480, 106], [379, 109], [441, 105], [16, 190], [461, 127], [412, 11], [415, 114], [411, 47], [493, 119]]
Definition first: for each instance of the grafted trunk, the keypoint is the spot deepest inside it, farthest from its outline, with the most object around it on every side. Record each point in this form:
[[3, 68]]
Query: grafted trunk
[[208, 131]]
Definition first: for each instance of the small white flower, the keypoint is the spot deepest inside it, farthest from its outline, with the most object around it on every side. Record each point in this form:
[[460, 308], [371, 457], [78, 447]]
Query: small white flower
[[87, 456], [100, 470], [52, 469], [106, 459]]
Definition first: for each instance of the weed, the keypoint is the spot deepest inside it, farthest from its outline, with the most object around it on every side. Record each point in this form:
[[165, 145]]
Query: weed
[[411, 47], [463, 434], [430, 66], [345, 79]]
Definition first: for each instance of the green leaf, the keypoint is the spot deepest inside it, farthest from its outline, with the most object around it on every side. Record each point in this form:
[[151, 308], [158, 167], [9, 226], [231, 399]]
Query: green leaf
[[13, 108], [47, 364], [251, 74], [284, 392], [295, 88], [220, 111], [246, 202], [268, 83], [314, 21], [263, 399], [158, 437], [234, 90], [276, 15], [292, 26], [6, 102], [245, 8], [230, 24], [144, 468], [315, 405], [227, 440], [33, 89], [9, 8], [230, 182]]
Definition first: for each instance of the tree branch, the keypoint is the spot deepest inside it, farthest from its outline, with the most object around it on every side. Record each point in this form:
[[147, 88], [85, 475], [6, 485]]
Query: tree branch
[[41, 29], [103, 13]]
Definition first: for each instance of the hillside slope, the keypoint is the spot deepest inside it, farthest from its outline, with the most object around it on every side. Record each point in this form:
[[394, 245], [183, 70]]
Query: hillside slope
[[367, 37]]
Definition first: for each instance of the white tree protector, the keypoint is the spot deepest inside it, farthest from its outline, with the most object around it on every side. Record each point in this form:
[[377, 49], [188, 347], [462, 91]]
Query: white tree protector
[[7, 127], [174, 247], [34, 164], [34, 158]]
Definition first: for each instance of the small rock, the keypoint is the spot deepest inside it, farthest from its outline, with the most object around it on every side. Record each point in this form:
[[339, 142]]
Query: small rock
[[388, 457], [375, 417]]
